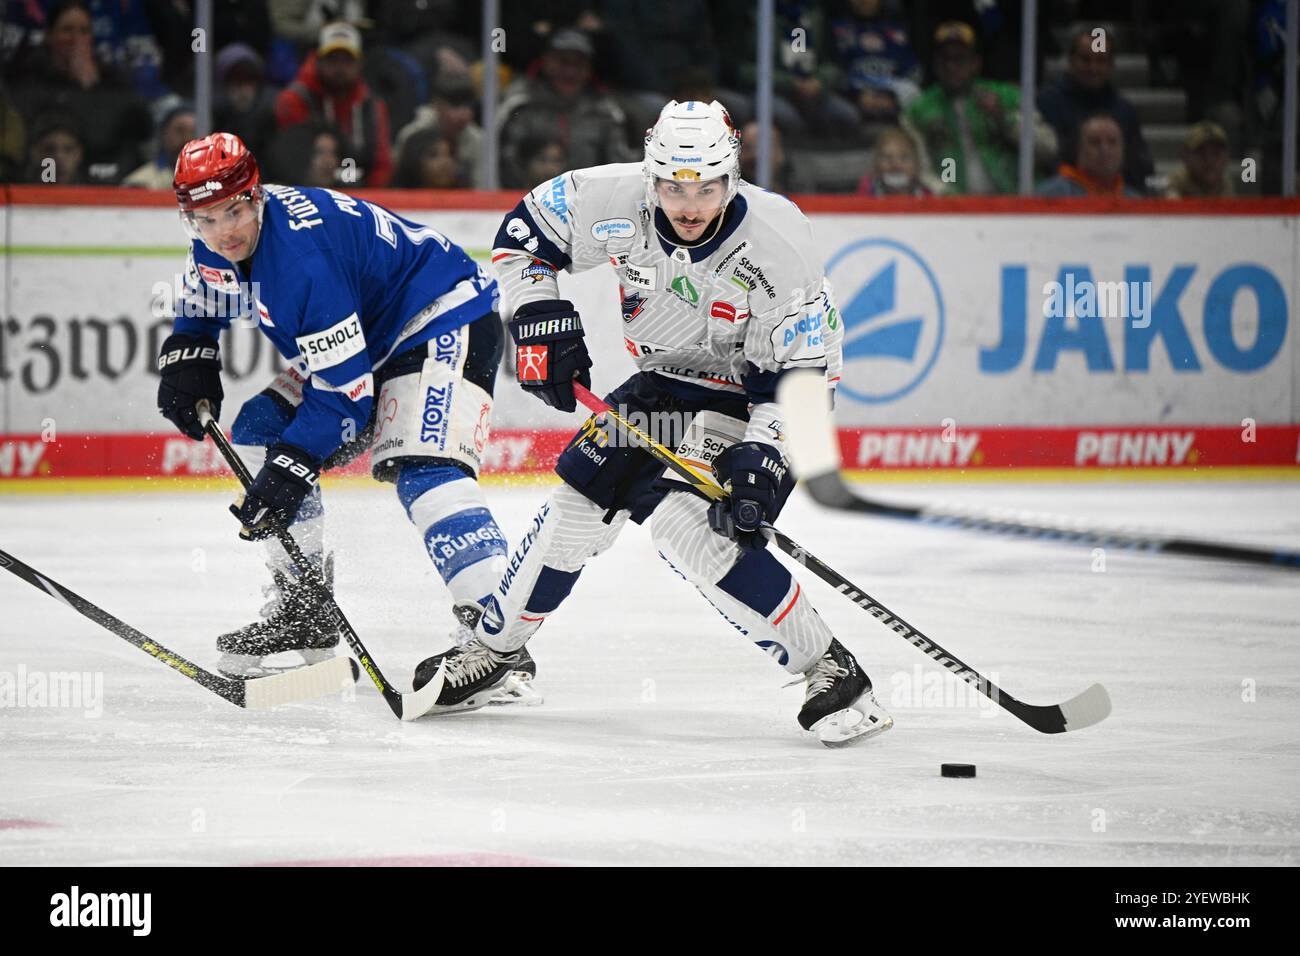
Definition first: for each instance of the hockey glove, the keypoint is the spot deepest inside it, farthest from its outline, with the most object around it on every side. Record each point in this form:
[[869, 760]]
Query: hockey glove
[[273, 500], [550, 351], [190, 370], [753, 473]]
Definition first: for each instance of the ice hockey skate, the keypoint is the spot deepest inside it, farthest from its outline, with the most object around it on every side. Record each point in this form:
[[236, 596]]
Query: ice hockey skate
[[476, 674], [518, 688], [294, 619], [839, 706]]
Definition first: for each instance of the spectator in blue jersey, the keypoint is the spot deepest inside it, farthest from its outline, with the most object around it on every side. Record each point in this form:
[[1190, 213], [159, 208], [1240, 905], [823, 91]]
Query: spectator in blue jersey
[[392, 341], [877, 68]]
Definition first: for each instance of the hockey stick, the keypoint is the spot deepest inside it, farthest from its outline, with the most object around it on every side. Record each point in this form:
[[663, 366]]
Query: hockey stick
[[1090, 707], [254, 693], [405, 706], [806, 409]]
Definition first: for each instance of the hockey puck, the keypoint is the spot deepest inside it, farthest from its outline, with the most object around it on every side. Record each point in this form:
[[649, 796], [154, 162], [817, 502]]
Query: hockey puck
[[356, 671], [957, 769]]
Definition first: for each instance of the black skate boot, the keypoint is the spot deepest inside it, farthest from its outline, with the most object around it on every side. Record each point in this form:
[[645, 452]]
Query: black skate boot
[[518, 688], [838, 704], [475, 675], [294, 619]]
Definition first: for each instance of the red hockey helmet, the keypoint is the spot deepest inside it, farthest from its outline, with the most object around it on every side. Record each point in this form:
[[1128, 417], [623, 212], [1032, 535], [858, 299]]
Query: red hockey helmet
[[213, 169]]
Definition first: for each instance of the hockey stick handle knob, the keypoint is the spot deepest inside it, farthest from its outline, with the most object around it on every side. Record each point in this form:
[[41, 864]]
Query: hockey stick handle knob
[[205, 412]]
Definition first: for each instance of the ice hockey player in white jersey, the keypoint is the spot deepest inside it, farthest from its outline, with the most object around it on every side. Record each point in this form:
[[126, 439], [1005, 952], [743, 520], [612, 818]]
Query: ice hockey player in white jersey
[[720, 298]]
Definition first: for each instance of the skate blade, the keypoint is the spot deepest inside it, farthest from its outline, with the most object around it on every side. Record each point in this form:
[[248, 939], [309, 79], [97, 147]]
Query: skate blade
[[518, 689], [267, 665], [475, 701], [851, 725]]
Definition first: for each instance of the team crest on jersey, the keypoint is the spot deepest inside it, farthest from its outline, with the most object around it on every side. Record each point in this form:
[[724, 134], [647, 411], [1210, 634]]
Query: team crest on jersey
[[633, 304], [538, 271]]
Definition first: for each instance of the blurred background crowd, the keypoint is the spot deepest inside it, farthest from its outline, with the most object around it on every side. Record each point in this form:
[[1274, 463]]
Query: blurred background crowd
[[875, 97]]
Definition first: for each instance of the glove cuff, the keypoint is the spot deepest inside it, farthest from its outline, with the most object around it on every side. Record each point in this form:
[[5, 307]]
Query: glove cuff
[[293, 464]]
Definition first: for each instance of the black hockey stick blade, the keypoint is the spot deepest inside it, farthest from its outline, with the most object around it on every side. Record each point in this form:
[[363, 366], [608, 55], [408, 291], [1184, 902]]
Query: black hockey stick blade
[[405, 706], [1084, 710], [254, 693]]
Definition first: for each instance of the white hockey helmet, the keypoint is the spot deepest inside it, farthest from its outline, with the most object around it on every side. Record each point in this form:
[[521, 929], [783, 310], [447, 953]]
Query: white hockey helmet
[[692, 142]]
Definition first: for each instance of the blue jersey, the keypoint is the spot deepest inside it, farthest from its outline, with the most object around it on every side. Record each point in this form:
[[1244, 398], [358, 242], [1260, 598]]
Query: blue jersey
[[339, 285]]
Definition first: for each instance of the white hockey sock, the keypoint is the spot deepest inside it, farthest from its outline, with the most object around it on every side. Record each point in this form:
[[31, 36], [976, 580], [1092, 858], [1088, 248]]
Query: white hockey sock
[[542, 570], [752, 590]]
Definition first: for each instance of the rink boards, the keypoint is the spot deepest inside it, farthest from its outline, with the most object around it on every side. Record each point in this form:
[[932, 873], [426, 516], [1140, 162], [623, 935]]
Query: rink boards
[[980, 336]]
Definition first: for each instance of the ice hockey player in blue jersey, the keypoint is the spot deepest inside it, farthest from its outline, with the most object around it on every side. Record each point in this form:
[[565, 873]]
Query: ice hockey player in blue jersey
[[392, 342]]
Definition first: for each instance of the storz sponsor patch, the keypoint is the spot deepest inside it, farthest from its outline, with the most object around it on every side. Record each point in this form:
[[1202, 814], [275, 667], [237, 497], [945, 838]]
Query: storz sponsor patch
[[612, 229], [437, 412], [445, 349], [799, 337], [333, 346]]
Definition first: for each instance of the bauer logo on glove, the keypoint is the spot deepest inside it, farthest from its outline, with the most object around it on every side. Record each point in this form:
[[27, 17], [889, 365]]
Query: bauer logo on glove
[[277, 493]]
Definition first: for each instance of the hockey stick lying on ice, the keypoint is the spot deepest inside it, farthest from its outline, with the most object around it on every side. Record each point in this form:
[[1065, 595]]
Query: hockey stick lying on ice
[[405, 706], [1090, 707], [816, 456], [254, 693]]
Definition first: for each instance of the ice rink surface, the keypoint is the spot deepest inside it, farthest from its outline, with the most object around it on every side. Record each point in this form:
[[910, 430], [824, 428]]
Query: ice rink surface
[[665, 738]]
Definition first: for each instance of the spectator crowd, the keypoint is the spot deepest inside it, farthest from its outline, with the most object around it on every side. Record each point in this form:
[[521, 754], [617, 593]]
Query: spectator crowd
[[885, 97]]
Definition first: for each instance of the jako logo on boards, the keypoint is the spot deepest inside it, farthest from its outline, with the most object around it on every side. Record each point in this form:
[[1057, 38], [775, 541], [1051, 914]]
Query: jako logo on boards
[[1250, 290], [102, 909], [893, 318]]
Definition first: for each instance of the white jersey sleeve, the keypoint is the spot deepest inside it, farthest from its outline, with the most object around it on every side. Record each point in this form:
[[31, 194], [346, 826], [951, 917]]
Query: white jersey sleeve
[[793, 321], [551, 229]]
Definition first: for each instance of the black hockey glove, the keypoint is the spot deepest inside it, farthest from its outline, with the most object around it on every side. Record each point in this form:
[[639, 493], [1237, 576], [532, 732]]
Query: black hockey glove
[[190, 370], [550, 351], [754, 473], [277, 492]]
